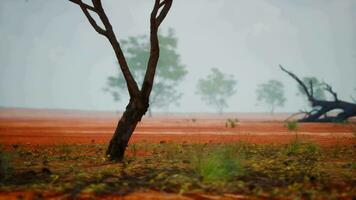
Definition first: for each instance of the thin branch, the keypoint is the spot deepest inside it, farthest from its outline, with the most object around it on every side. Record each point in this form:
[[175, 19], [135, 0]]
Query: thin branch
[[295, 114], [331, 91], [162, 15], [86, 6], [93, 22], [154, 51], [311, 88], [162, 3], [110, 35], [310, 96], [157, 17]]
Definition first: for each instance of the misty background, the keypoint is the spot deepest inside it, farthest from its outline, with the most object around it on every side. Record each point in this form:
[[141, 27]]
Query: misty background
[[50, 56]]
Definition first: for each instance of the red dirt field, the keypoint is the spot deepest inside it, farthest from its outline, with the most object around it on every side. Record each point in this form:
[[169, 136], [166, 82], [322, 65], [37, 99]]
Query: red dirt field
[[46, 127], [51, 127]]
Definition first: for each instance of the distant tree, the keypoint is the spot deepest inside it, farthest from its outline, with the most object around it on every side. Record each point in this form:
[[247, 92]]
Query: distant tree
[[318, 87], [216, 88], [271, 94], [169, 73]]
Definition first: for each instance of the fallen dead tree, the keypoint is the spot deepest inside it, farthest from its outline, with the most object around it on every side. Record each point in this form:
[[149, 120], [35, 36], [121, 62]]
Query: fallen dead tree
[[321, 108]]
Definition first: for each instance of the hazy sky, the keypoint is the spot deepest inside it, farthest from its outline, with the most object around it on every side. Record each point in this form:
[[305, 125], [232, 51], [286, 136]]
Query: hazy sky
[[50, 56]]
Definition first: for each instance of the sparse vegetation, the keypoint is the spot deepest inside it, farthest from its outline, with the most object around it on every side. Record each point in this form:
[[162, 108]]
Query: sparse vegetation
[[6, 168], [294, 170], [219, 164], [292, 125], [231, 123]]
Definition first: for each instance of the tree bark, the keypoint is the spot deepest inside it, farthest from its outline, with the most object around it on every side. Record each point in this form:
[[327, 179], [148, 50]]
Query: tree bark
[[125, 127]]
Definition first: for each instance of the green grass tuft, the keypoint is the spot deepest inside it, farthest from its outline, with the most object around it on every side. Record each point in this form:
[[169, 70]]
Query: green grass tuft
[[220, 164], [6, 168], [292, 125]]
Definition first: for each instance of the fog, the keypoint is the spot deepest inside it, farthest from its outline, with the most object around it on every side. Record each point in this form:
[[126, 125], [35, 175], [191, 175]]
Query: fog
[[50, 56]]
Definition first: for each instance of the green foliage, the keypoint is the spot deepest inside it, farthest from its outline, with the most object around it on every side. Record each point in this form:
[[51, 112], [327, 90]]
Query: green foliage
[[297, 147], [292, 125], [169, 73], [312, 148], [271, 94], [6, 168], [216, 88], [219, 164], [133, 149], [318, 87]]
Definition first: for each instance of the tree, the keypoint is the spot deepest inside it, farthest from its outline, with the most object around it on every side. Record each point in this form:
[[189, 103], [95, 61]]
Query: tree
[[320, 110], [139, 98], [271, 94], [319, 91], [169, 73], [216, 88]]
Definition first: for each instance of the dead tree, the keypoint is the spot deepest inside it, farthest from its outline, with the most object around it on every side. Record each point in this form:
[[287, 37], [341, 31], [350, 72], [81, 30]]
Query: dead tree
[[322, 107], [139, 98]]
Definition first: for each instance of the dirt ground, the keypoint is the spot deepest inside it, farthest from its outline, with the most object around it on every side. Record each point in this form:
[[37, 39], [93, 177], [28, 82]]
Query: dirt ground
[[26, 126], [50, 127]]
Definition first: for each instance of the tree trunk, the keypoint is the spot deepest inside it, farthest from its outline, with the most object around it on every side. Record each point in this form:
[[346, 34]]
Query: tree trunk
[[139, 101], [322, 107], [125, 127]]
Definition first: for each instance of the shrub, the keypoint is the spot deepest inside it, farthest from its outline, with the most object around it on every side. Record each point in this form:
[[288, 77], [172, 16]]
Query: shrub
[[219, 165], [292, 125], [231, 123], [293, 147], [5, 165]]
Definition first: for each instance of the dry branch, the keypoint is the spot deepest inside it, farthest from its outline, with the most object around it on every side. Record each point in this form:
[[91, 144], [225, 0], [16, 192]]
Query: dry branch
[[322, 107]]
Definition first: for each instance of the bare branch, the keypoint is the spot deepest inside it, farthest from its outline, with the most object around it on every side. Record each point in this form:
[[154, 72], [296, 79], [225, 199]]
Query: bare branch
[[110, 35], [162, 3], [86, 6], [310, 96], [331, 91], [162, 15], [322, 107], [158, 17], [158, 14], [295, 114], [154, 52], [311, 88], [93, 22]]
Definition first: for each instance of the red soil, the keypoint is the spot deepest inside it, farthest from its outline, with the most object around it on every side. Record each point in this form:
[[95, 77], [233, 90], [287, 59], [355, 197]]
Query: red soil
[[25, 126], [45, 127]]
